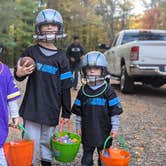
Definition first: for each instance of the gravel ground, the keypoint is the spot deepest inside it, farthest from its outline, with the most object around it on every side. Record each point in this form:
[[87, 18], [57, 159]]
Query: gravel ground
[[143, 125]]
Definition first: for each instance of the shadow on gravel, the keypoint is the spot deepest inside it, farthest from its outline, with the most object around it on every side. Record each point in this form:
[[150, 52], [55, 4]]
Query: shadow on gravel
[[145, 90]]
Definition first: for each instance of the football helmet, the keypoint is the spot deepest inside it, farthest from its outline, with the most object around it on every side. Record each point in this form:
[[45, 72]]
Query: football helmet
[[94, 59], [48, 16]]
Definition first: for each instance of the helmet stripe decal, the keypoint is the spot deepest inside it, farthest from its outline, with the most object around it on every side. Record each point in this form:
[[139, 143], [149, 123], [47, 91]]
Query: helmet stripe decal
[[44, 15], [97, 58], [54, 15], [87, 60]]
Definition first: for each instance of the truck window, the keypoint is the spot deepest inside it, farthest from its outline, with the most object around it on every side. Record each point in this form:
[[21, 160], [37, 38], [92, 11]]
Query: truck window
[[129, 37], [152, 36], [115, 41]]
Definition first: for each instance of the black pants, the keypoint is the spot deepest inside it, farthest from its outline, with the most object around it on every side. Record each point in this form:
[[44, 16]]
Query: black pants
[[75, 69], [45, 163], [87, 159]]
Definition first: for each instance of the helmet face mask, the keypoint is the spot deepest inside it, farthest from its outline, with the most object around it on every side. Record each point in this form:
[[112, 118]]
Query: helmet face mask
[[46, 37], [95, 78], [48, 17]]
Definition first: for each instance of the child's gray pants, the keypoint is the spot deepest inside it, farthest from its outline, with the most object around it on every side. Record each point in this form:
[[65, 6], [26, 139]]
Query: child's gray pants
[[41, 134]]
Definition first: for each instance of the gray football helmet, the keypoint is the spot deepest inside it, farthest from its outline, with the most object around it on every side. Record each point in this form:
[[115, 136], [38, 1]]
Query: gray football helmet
[[49, 16], [94, 59]]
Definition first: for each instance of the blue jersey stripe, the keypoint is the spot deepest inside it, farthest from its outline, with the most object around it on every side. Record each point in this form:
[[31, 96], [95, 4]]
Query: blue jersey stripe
[[114, 101], [77, 102], [97, 101], [66, 75]]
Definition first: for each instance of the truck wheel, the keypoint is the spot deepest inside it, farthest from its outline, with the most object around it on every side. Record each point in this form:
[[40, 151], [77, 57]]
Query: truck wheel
[[126, 83]]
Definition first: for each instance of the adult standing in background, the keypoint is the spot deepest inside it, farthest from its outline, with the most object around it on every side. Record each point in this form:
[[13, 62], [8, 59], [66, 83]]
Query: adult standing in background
[[75, 52]]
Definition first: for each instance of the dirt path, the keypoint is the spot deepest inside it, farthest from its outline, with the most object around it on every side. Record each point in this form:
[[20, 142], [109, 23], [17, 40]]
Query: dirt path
[[143, 125]]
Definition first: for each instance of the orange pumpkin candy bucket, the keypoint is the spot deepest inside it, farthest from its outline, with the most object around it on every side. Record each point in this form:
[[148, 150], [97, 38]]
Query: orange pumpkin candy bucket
[[114, 156], [19, 152]]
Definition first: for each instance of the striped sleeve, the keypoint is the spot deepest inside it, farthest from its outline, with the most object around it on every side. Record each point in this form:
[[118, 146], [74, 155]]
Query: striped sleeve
[[66, 74], [12, 90], [76, 108], [114, 103], [115, 123]]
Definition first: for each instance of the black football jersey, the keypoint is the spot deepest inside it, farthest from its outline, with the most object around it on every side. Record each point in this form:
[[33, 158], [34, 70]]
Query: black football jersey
[[96, 113], [46, 87]]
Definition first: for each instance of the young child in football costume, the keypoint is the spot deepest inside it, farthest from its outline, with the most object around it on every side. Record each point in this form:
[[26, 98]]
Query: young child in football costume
[[48, 84], [97, 107]]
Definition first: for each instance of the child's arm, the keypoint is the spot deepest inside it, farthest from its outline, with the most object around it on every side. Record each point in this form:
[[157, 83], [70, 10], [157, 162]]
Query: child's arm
[[13, 107], [115, 126], [66, 103], [66, 83], [115, 109], [76, 109], [13, 94], [78, 124]]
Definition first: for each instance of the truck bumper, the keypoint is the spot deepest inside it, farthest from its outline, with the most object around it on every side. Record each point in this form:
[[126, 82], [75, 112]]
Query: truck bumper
[[147, 70]]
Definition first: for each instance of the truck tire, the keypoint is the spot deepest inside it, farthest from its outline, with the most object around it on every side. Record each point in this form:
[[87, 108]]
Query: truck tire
[[126, 83]]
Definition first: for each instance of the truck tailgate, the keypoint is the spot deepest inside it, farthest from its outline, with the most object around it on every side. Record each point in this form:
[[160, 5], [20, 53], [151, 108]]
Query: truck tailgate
[[152, 52]]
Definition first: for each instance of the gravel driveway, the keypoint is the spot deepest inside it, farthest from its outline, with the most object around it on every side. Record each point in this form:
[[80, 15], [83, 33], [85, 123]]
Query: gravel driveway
[[143, 125]]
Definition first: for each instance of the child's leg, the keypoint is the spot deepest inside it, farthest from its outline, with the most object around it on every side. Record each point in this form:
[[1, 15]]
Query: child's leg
[[45, 151], [101, 148], [99, 161], [87, 159], [75, 78], [34, 129], [3, 161]]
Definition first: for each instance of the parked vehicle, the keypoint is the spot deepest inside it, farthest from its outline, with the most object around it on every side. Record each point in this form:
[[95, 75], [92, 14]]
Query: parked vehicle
[[138, 56]]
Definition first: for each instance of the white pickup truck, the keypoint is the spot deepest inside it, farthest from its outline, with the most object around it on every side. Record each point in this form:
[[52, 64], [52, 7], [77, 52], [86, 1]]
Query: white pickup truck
[[138, 56]]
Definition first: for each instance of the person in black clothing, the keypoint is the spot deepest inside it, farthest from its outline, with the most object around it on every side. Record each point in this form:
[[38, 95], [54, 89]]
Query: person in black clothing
[[48, 85], [74, 53], [97, 107]]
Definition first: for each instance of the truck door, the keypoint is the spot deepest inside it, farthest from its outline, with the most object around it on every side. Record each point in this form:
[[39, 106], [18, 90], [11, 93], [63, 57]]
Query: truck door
[[112, 57]]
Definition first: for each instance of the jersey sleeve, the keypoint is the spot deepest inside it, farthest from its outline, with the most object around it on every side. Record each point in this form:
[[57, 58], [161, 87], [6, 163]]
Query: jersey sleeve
[[65, 74], [66, 103], [76, 108], [12, 90], [113, 101]]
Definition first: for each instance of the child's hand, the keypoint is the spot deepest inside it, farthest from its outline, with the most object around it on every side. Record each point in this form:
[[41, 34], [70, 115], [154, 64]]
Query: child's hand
[[64, 121], [72, 59], [114, 134], [24, 70], [78, 131], [16, 122]]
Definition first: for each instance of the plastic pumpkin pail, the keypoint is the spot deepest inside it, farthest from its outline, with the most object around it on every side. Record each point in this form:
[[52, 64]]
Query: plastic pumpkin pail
[[19, 152], [115, 156]]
